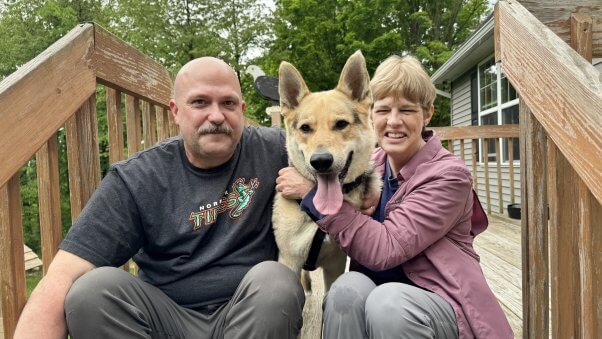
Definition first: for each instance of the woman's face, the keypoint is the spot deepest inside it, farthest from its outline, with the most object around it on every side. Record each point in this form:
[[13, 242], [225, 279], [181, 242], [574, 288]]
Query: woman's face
[[398, 125]]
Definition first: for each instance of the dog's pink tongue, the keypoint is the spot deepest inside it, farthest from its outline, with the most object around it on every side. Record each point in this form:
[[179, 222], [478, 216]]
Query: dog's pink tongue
[[329, 196]]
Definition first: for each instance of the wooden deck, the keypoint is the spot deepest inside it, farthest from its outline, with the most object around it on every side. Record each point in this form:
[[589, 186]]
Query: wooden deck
[[500, 251]]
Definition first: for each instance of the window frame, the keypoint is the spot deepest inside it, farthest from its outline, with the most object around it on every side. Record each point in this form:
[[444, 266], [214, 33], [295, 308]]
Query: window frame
[[498, 108]]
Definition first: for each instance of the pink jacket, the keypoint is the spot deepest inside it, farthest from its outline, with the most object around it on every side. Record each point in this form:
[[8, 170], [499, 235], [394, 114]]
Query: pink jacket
[[429, 228]]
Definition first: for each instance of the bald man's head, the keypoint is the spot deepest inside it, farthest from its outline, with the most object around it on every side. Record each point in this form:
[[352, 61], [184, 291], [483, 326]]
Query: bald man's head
[[208, 65], [208, 108]]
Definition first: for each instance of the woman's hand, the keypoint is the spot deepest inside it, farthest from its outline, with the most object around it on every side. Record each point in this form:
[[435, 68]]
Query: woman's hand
[[291, 184], [369, 204]]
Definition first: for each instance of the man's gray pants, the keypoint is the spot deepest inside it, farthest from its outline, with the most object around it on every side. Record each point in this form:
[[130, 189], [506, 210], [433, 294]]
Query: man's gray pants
[[110, 303], [356, 308]]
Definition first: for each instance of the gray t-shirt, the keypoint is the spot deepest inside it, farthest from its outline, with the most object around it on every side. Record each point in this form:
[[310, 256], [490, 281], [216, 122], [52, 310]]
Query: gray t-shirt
[[194, 233]]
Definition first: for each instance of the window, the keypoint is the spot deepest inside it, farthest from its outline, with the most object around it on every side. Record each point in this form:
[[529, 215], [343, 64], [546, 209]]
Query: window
[[498, 105]]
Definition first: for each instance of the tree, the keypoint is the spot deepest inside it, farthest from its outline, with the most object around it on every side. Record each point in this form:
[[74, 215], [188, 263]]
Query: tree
[[319, 37]]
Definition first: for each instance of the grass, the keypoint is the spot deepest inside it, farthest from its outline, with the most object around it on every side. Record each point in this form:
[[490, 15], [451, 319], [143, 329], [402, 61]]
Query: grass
[[32, 279]]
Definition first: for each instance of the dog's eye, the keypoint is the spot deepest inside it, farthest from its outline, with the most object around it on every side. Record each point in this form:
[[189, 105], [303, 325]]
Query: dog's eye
[[341, 124], [305, 128]]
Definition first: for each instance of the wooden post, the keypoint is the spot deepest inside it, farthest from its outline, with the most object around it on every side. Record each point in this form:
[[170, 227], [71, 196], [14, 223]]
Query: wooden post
[[115, 125], [486, 167], [498, 162], [534, 226], [133, 121], [274, 113], [82, 155], [49, 198], [511, 168], [12, 265]]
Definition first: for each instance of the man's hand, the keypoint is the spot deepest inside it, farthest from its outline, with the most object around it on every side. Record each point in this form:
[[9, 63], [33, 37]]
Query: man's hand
[[369, 204], [291, 184]]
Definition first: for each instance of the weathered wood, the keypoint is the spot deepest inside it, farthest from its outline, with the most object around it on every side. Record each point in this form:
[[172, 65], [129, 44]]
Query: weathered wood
[[476, 132], [133, 117], [149, 124], [173, 128], [485, 154], [115, 125], [12, 266], [564, 260], [589, 260], [49, 199], [123, 67], [590, 263], [32, 109], [32, 260], [162, 123], [498, 161], [565, 95], [82, 155], [556, 15], [534, 226], [511, 168]]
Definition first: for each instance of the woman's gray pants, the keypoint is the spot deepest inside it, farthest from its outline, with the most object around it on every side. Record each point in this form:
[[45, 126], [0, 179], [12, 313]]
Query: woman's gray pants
[[110, 303], [356, 308]]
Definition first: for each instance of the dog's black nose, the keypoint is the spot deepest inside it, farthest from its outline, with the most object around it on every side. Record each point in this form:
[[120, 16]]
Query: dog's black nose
[[321, 161]]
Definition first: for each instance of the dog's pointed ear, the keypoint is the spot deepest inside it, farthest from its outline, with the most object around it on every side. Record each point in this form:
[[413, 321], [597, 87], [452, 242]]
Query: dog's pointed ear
[[355, 80], [291, 87]]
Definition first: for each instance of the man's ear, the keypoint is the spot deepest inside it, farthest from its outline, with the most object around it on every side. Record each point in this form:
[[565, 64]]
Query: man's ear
[[355, 80], [174, 111], [291, 87], [244, 106]]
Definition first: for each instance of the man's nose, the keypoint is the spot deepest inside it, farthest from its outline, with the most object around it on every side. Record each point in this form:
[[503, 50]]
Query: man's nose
[[216, 115]]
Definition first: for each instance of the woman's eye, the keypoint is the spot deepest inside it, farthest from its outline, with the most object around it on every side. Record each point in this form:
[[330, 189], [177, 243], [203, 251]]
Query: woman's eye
[[341, 124], [305, 128]]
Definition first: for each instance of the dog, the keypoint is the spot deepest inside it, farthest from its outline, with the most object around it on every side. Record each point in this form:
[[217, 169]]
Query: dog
[[330, 140]]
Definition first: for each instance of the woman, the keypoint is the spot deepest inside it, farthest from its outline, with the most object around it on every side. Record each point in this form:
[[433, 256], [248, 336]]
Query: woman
[[414, 272]]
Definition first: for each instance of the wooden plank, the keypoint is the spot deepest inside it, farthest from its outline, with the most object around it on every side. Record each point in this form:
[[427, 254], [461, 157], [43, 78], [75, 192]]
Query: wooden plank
[[590, 214], [476, 132], [590, 263], [162, 123], [115, 125], [485, 152], [39, 97], [581, 35], [123, 67], [564, 260], [511, 168], [498, 160], [49, 199], [12, 266], [555, 14], [534, 226], [565, 95], [82, 155], [148, 125], [133, 117]]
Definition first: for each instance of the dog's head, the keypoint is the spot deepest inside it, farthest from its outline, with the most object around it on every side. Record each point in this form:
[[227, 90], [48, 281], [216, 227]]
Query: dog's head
[[329, 134]]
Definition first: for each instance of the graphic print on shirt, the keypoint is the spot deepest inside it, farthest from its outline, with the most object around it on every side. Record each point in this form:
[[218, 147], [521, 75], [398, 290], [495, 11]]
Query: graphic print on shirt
[[235, 201]]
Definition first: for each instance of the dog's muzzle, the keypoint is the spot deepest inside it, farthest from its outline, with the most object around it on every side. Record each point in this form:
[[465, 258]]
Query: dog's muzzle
[[321, 162]]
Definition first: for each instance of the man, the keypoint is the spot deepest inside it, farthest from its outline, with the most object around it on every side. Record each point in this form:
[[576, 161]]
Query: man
[[195, 213]]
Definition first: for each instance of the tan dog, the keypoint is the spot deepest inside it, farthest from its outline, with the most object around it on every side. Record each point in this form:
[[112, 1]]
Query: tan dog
[[329, 141]]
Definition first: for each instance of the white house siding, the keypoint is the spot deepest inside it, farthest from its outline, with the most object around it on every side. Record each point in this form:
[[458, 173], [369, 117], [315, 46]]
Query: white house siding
[[460, 106]]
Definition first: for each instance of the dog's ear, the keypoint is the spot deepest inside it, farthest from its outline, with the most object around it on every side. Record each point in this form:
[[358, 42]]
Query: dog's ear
[[355, 80], [291, 87]]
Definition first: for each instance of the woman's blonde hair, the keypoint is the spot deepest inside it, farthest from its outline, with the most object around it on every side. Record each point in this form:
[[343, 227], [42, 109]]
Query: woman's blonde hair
[[403, 77]]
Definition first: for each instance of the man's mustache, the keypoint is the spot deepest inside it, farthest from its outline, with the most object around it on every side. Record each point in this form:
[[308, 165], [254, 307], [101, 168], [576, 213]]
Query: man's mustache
[[215, 129]]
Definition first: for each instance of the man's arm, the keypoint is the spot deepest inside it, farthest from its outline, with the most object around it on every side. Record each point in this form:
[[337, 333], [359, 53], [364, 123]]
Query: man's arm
[[44, 313]]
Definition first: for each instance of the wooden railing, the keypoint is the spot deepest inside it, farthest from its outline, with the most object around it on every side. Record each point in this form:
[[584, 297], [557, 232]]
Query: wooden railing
[[561, 171], [58, 88], [471, 139]]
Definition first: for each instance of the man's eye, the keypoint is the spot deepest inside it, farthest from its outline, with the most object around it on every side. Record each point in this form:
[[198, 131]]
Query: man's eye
[[198, 102], [305, 128], [341, 124], [229, 103]]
